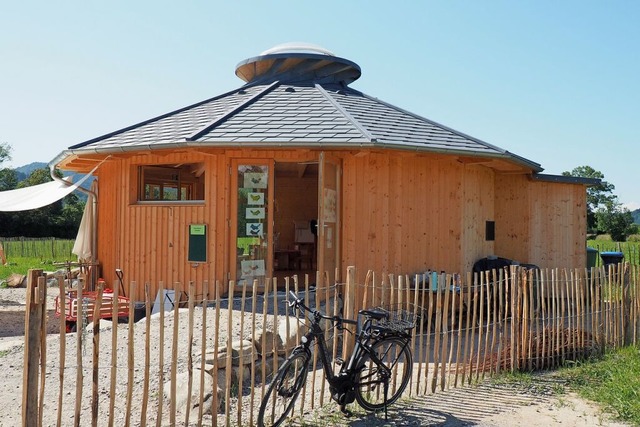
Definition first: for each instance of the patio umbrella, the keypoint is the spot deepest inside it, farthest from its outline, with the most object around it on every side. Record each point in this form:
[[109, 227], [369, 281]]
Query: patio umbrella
[[84, 246]]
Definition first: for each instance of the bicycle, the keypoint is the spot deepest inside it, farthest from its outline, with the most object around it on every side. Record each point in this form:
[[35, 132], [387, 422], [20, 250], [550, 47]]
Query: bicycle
[[381, 356]]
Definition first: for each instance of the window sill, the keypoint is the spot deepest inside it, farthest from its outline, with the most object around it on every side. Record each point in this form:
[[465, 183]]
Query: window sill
[[169, 203]]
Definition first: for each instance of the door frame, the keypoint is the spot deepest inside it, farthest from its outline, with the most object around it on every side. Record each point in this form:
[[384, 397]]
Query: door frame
[[233, 214], [329, 207]]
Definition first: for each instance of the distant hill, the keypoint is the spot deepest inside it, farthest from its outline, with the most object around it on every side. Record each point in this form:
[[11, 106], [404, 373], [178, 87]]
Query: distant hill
[[25, 171], [636, 216]]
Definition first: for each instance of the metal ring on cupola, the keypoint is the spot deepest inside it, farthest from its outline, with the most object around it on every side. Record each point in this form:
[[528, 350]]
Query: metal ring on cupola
[[298, 62]]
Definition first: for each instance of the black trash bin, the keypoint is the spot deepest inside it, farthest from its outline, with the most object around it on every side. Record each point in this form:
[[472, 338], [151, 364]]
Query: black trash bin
[[609, 258]]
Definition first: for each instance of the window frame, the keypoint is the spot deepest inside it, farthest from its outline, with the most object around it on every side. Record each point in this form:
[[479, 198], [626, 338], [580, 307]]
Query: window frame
[[187, 180]]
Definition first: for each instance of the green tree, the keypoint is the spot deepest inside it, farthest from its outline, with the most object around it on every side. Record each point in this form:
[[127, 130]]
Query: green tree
[[38, 176], [8, 179], [597, 196], [5, 152], [616, 221]]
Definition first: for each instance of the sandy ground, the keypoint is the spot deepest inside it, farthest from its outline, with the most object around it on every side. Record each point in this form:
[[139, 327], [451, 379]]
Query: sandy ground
[[486, 405]]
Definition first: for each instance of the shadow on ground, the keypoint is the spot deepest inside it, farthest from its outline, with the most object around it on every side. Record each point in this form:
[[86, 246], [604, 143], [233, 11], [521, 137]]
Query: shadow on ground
[[466, 406]]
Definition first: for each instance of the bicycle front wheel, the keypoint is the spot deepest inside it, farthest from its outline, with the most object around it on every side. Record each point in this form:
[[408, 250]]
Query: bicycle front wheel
[[395, 354], [283, 391]]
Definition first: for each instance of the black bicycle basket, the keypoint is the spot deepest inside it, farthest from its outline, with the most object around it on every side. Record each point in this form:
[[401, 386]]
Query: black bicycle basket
[[400, 318]]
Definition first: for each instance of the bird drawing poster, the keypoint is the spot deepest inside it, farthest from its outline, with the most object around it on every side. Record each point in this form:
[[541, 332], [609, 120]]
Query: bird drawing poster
[[254, 229], [255, 199], [255, 213], [252, 268], [255, 180]]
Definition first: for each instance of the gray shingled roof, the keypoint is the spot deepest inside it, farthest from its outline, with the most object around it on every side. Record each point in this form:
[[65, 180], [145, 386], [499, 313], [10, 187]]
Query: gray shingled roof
[[299, 112]]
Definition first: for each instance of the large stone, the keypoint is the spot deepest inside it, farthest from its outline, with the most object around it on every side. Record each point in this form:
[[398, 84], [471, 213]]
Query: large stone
[[290, 335], [267, 342], [182, 388], [268, 366], [16, 280], [221, 375], [242, 353]]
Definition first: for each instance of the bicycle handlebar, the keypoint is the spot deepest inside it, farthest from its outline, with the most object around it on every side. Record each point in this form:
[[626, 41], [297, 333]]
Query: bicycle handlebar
[[298, 303]]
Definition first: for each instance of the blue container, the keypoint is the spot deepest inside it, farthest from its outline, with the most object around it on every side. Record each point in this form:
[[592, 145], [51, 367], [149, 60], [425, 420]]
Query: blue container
[[611, 257]]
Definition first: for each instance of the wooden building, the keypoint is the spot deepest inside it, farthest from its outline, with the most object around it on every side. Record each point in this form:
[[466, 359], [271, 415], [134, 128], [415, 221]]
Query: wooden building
[[296, 171]]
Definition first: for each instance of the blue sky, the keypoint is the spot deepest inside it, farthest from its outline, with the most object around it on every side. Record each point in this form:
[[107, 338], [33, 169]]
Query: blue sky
[[555, 82]]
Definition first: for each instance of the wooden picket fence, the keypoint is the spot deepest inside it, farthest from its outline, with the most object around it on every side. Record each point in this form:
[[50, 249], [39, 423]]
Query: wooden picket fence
[[468, 328]]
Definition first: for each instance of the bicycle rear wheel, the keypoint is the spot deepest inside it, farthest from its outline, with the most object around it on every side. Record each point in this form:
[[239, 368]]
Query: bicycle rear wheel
[[283, 391], [395, 354]]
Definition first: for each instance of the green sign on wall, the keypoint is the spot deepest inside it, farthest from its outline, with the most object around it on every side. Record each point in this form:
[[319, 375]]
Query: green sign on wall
[[197, 243]]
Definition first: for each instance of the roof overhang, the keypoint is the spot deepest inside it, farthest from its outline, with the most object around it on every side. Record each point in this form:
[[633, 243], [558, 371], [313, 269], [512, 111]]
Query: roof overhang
[[564, 179], [85, 158]]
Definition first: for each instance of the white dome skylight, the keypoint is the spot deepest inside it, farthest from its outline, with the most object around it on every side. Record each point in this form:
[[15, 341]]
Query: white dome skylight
[[297, 47]]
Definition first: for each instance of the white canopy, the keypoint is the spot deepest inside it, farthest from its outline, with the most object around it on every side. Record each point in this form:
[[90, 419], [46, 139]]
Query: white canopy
[[37, 196]]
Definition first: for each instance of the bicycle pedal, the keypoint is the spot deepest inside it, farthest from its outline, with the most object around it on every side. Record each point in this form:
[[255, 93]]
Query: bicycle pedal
[[339, 361]]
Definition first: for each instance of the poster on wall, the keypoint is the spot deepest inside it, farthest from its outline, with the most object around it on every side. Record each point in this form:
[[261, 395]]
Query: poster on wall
[[255, 180], [330, 198], [255, 213], [254, 229], [255, 199], [252, 268]]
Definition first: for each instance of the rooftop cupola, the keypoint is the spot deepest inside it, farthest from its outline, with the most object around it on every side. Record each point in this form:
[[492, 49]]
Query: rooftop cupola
[[298, 62]]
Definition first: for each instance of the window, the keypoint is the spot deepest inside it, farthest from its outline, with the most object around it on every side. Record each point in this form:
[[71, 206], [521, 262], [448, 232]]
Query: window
[[171, 183]]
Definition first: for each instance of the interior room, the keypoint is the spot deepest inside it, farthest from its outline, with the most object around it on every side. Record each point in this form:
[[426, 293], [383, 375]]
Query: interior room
[[295, 220]]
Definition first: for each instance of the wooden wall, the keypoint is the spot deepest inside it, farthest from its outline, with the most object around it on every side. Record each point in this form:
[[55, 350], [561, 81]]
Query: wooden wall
[[479, 207], [401, 213], [542, 223], [150, 242]]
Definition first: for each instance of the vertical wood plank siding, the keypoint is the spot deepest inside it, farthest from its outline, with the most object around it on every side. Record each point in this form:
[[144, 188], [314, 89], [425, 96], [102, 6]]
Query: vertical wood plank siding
[[541, 222], [479, 207], [400, 212]]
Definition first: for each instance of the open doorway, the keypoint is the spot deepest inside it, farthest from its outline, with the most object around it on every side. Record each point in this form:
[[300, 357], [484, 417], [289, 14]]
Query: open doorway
[[295, 220]]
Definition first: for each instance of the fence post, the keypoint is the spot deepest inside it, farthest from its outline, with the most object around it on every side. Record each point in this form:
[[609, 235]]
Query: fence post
[[32, 332], [349, 305]]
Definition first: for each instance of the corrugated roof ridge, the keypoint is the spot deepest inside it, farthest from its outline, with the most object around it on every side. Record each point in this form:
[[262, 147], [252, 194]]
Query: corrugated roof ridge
[[533, 164], [346, 114], [155, 119], [205, 129]]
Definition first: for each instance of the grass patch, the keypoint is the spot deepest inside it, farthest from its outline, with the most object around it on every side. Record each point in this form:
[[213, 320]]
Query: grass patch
[[511, 378], [530, 382], [21, 265], [612, 381]]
